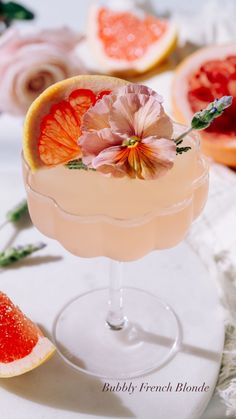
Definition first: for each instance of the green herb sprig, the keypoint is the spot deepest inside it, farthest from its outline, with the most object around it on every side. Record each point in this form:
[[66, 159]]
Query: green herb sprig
[[204, 118], [14, 254], [77, 164], [16, 214]]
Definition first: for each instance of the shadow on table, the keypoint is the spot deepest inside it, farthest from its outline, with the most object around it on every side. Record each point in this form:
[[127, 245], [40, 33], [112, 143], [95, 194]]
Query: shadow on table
[[56, 385]]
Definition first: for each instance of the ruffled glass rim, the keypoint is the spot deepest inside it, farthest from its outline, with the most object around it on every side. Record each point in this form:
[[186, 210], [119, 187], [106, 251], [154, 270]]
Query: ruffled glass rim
[[127, 222]]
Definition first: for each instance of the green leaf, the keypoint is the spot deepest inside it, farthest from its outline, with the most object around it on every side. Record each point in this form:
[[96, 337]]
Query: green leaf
[[13, 254], [205, 117], [14, 11]]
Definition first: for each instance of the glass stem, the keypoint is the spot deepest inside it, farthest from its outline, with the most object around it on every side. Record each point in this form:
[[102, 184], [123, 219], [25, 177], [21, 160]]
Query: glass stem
[[115, 317]]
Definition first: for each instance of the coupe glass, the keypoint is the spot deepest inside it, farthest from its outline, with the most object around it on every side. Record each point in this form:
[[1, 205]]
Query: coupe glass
[[105, 332]]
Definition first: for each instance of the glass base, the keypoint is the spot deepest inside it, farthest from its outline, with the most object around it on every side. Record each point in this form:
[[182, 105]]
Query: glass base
[[149, 339]]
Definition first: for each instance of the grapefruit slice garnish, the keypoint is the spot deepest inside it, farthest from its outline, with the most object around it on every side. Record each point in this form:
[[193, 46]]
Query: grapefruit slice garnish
[[22, 344], [60, 130], [204, 76], [52, 126], [81, 100], [129, 41]]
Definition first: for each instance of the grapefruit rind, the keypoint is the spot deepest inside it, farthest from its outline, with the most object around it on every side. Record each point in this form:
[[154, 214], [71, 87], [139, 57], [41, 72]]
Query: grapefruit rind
[[223, 148], [157, 52], [42, 351], [53, 95]]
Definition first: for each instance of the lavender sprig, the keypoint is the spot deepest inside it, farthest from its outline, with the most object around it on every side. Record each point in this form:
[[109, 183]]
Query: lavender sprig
[[16, 213], [14, 254], [204, 118]]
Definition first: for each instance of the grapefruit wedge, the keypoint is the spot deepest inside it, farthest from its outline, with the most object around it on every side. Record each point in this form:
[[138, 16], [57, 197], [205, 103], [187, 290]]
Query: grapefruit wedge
[[129, 41], [22, 344], [205, 75], [52, 125]]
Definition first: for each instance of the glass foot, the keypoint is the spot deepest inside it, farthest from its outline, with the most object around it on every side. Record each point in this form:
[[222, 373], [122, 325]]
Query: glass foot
[[149, 339]]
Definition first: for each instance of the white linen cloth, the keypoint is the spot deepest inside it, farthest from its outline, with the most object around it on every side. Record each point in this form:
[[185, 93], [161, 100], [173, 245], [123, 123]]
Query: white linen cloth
[[214, 236], [212, 23]]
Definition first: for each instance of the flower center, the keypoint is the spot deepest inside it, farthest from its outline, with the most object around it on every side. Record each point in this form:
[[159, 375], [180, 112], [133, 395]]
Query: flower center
[[131, 142]]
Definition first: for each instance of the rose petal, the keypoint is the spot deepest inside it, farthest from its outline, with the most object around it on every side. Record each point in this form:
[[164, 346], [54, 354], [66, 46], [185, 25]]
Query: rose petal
[[15, 84], [26, 57]]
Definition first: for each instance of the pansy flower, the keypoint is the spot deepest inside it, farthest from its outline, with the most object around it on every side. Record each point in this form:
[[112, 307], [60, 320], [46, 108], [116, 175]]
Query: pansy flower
[[128, 133]]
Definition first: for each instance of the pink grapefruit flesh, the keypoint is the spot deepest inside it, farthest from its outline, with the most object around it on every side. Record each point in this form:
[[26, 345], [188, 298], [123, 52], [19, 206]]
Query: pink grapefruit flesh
[[22, 345], [129, 41], [204, 76]]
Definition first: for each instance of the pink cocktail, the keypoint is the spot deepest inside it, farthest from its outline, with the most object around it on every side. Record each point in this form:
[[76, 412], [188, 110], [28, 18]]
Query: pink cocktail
[[122, 218]]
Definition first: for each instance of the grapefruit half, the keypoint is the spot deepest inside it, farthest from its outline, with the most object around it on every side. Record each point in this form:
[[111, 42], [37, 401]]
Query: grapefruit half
[[22, 344], [52, 125], [205, 75], [129, 42]]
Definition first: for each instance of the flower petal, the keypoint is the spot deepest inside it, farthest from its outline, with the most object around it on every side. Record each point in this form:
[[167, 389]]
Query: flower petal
[[97, 117], [140, 115], [161, 127], [92, 143], [122, 113], [137, 89], [147, 160], [150, 119], [111, 160], [157, 156], [133, 110]]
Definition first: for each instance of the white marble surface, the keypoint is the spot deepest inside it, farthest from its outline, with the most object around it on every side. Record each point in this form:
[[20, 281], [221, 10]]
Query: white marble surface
[[47, 280]]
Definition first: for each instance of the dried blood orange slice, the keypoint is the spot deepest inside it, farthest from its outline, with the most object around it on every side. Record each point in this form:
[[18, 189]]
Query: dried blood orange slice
[[22, 344], [129, 40], [204, 76], [52, 126]]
